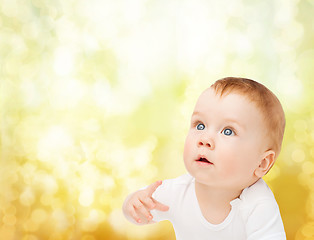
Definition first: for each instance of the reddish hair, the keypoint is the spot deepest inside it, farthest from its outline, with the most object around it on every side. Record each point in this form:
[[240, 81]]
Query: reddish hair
[[265, 101]]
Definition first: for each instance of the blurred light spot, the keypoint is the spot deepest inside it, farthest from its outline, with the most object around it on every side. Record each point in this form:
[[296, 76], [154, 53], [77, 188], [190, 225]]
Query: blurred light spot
[[243, 45], [143, 157], [303, 179], [46, 199], [60, 219], [7, 232], [39, 215], [32, 97], [28, 171], [298, 155], [116, 219], [31, 30], [20, 47], [312, 152], [11, 210], [29, 237], [30, 226], [94, 218], [90, 125], [105, 200], [53, 143], [27, 198], [9, 66], [292, 32], [86, 197], [49, 184], [291, 87], [66, 94], [56, 203], [305, 64], [103, 94], [90, 43], [9, 220], [88, 237], [133, 11], [308, 230], [312, 136], [64, 61], [308, 167], [310, 205], [300, 125], [301, 136], [108, 182], [9, 8], [214, 63]]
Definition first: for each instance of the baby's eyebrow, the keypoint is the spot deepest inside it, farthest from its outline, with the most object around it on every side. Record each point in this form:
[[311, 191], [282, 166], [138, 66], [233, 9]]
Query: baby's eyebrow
[[196, 113], [235, 122]]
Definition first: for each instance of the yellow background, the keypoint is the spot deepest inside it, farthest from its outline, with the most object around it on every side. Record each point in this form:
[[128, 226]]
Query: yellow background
[[96, 98]]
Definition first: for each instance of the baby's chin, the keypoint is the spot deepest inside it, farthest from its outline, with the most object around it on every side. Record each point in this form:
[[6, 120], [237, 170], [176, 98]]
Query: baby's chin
[[201, 178], [221, 183]]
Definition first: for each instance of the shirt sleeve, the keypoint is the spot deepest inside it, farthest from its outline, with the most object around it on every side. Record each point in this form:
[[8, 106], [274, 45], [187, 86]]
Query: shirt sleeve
[[264, 222], [165, 195]]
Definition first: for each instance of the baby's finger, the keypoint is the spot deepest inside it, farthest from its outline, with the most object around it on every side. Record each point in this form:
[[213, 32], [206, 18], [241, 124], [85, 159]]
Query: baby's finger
[[141, 209], [134, 215], [148, 202], [159, 206], [152, 188]]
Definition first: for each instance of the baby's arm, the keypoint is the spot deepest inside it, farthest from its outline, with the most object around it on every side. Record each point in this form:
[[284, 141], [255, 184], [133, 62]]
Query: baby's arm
[[137, 206]]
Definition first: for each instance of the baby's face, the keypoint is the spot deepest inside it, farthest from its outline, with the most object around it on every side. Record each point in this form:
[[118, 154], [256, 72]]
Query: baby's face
[[226, 141]]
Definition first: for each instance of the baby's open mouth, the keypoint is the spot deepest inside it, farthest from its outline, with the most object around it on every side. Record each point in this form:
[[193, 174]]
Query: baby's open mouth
[[204, 160]]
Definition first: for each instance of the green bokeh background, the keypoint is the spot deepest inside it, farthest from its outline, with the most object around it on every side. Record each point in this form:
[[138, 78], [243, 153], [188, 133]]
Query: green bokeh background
[[96, 98]]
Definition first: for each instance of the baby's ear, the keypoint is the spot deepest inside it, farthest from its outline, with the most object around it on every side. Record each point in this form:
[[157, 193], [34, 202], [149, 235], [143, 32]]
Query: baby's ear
[[266, 163]]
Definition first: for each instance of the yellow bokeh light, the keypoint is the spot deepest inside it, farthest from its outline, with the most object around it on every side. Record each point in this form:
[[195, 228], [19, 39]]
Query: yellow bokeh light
[[63, 63], [298, 155], [9, 220], [86, 197], [96, 98]]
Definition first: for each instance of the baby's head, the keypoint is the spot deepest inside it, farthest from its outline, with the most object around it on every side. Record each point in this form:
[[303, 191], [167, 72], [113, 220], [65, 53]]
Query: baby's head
[[265, 101], [236, 133]]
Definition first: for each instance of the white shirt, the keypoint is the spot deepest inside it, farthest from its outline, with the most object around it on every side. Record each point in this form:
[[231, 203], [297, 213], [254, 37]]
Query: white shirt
[[254, 215]]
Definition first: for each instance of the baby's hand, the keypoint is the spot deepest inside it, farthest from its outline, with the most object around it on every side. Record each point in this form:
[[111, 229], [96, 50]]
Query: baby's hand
[[137, 206]]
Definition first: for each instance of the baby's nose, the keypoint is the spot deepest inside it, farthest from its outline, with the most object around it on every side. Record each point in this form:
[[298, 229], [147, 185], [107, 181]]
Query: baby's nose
[[206, 143]]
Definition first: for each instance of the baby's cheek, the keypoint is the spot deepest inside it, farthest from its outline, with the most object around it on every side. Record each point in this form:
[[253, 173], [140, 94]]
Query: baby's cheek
[[230, 169], [188, 146], [231, 165]]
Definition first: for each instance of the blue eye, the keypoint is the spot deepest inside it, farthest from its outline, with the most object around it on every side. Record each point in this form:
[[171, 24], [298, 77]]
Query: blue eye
[[228, 132], [200, 126]]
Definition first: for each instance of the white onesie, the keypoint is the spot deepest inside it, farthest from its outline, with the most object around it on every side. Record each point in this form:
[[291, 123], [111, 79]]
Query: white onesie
[[254, 215]]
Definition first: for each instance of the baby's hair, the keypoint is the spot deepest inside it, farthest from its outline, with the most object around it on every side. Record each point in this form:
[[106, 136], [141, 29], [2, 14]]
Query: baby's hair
[[265, 101]]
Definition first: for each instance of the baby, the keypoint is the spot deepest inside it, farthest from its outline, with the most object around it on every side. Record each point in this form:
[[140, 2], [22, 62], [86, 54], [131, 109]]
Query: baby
[[234, 139]]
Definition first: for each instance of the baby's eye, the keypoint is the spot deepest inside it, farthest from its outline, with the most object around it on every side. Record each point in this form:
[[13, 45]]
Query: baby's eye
[[200, 126], [228, 132]]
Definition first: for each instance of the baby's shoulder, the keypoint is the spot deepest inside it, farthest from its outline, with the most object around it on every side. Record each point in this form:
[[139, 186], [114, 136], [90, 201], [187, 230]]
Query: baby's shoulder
[[260, 212], [257, 193]]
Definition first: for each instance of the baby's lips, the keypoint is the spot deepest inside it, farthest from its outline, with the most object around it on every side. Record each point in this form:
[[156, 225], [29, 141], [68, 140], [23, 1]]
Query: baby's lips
[[203, 157]]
